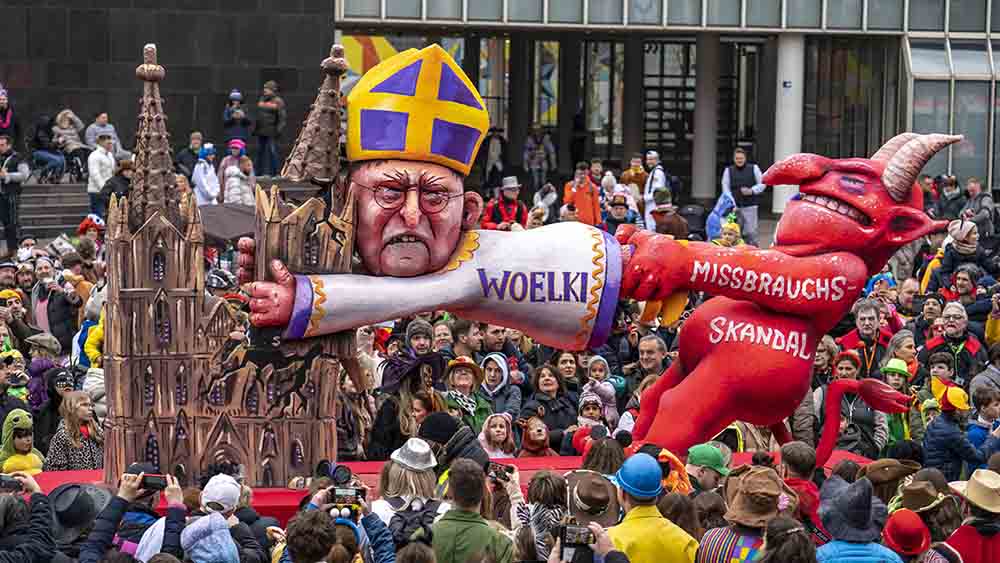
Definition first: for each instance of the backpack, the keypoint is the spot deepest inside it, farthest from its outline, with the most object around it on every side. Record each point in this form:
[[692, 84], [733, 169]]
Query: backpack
[[404, 523]]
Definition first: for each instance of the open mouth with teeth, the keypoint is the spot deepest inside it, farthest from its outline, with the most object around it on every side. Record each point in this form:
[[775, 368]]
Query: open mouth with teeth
[[399, 239], [838, 206]]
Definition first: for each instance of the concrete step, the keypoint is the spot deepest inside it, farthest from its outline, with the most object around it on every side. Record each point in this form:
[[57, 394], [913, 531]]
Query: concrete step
[[31, 198], [48, 232], [69, 189], [52, 219]]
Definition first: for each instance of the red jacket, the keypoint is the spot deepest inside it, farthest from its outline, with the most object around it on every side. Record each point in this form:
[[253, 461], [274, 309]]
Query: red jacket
[[498, 211], [808, 511], [973, 545]]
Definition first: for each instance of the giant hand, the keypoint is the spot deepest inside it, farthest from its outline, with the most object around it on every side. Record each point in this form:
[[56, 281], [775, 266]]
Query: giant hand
[[271, 302], [653, 264]]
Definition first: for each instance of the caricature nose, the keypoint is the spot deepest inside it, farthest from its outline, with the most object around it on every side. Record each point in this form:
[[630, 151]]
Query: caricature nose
[[411, 209]]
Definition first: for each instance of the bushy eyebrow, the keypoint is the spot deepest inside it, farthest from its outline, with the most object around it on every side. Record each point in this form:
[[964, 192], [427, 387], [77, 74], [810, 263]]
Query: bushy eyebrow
[[425, 181]]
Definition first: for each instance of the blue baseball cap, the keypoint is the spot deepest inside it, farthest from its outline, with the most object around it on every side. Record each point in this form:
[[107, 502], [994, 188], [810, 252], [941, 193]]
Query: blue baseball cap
[[640, 477]]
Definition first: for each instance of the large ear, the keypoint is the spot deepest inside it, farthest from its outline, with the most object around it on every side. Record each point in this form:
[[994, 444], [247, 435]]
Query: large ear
[[472, 208], [907, 224], [796, 169]]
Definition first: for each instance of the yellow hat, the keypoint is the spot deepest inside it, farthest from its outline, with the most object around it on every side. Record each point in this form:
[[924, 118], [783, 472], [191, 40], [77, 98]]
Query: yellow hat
[[11, 354], [731, 226], [9, 294], [417, 105]]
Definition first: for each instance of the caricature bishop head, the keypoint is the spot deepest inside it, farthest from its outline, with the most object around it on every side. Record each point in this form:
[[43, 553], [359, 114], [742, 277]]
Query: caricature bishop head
[[415, 123]]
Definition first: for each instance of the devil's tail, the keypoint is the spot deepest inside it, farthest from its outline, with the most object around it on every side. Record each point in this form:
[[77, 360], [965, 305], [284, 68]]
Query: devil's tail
[[876, 394]]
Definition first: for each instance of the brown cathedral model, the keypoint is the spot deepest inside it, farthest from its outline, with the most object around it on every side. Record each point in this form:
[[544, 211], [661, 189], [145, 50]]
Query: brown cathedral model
[[186, 387]]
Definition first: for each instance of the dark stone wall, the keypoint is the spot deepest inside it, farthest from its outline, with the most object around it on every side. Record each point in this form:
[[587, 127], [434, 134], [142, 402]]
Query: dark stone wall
[[82, 54]]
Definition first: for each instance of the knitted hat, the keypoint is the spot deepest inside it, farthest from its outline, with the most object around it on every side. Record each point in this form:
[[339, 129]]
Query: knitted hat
[[419, 326], [3, 91], [960, 229], [438, 427], [590, 398], [239, 144], [235, 95]]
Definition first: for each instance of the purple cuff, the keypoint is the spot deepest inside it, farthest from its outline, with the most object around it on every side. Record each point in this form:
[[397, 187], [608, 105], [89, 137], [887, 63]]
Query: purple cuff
[[302, 309], [609, 295]]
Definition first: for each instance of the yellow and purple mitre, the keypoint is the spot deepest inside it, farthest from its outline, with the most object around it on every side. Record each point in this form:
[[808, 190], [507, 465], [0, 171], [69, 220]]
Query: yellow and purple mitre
[[417, 105]]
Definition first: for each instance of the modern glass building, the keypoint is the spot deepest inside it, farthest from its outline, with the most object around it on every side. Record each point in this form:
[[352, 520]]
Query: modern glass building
[[695, 78]]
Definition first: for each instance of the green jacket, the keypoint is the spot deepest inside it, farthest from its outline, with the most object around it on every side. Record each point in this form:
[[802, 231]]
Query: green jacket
[[475, 421], [460, 534]]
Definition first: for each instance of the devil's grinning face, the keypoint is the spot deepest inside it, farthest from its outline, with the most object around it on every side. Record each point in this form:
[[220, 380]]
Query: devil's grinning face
[[847, 209]]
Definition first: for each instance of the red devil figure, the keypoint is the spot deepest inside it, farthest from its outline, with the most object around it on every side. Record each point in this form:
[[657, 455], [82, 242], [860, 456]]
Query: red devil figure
[[746, 355]]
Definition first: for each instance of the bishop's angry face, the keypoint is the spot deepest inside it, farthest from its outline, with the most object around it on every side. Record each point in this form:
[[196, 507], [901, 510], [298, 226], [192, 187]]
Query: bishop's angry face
[[410, 215]]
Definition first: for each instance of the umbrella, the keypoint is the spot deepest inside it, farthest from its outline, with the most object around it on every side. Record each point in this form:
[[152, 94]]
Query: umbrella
[[227, 222]]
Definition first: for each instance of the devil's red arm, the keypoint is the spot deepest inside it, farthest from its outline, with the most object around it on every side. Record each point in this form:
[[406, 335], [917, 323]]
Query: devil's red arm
[[804, 286]]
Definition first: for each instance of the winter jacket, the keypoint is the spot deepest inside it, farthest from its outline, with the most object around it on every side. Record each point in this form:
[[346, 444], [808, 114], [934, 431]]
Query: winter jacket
[[62, 312], [233, 127], [205, 182], [605, 390], [38, 545], [558, 413], [71, 140], [249, 548], [64, 456], [946, 447], [839, 551], [952, 259], [9, 124], [645, 536], [970, 358], [185, 161], [118, 185], [458, 535], [78, 357], [47, 418], [102, 534], [386, 436], [808, 510], [982, 209], [505, 397], [949, 207], [17, 170], [94, 131], [258, 524], [977, 433], [42, 138], [867, 431], [853, 341], [978, 541], [101, 168], [587, 199], [271, 117], [480, 412], [499, 211], [238, 187], [94, 346]]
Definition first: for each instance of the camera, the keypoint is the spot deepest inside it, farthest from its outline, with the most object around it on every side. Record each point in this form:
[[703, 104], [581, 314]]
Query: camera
[[8, 483], [499, 471], [154, 482]]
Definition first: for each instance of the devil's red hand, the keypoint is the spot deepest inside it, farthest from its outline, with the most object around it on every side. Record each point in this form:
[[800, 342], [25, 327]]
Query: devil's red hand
[[881, 397], [271, 302], [653, 266]]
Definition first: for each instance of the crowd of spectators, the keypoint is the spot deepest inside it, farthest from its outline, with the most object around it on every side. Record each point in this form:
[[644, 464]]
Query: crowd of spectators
[[443, 396]]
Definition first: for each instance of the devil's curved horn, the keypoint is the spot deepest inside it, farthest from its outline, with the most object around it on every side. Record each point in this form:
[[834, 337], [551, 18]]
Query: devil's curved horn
[[904, 166], [892, 145]]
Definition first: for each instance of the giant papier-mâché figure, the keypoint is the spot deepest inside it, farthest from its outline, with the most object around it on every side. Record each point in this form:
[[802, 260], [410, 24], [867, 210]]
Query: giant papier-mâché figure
[[414, 126]]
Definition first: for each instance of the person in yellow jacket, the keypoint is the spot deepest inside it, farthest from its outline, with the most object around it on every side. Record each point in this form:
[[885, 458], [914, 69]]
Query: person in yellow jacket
[[94, 346], [645, 536]]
